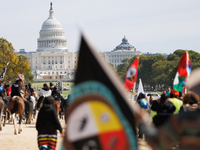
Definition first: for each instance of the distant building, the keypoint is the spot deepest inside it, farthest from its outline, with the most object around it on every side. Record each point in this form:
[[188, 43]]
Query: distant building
[[124, 50], [52, 59]]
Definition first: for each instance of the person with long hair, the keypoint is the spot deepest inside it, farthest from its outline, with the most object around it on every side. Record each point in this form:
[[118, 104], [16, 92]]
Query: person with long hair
[[190, 102], [47, 125]]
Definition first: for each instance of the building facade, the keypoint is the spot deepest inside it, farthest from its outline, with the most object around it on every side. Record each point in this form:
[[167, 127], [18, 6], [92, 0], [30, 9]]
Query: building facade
[[124, 50], [52, 60]]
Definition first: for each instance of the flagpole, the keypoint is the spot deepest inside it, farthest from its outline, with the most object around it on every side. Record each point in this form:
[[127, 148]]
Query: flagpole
[[133, 92]]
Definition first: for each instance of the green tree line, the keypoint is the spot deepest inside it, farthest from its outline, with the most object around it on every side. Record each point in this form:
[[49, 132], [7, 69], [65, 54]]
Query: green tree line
[[18, 63], [156, 69]]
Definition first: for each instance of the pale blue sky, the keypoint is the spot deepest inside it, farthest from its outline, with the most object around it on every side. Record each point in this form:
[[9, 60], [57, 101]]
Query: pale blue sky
[[150, 25]]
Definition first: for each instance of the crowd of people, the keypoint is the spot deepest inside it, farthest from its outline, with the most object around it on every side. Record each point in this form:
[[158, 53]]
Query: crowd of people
[[47, 122], [175, 120], [174, 117]]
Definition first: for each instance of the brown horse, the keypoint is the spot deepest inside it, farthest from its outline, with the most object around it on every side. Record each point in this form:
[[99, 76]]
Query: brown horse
[[16, 107], [57, 107], [2, 109]]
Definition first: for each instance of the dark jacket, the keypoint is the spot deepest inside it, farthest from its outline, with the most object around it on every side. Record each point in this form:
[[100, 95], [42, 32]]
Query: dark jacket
[[164, 111], [47, 121], [16, 89], [56, 94]]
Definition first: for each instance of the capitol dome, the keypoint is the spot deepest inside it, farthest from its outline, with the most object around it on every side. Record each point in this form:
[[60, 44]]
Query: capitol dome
[[51, 23], [124, 46], [52, 35]]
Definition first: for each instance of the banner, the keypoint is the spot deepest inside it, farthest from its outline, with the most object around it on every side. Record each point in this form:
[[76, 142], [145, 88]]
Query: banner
[[131, 75], [99, 116], [140, 88], [183, 72]]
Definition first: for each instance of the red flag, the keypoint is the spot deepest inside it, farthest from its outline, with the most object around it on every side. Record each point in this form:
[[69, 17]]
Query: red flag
[[184, 65], [131, 75]]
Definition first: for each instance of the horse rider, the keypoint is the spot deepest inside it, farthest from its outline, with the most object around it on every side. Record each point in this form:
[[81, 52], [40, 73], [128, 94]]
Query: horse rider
[[8, 89], [16, 89], [44, 92], [3, 94], [51, 86], [31, 92], [58, 97], [56, 94]]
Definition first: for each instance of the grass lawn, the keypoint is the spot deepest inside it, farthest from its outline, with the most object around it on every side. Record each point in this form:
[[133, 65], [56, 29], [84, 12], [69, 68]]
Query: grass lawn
[[64, 84]]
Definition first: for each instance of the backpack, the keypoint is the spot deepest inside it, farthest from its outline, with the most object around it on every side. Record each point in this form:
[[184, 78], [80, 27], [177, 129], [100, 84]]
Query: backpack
[[143, 103], [1, 88]]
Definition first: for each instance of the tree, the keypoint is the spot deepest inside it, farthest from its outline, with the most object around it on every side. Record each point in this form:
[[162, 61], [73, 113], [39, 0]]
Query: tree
[[18, 64], [122, 68], [24, 68], [156, 69]]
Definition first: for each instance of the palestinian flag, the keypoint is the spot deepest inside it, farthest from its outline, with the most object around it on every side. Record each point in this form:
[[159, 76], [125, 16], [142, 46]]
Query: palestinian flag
[[183, 72], [131, 75], [99, 115]]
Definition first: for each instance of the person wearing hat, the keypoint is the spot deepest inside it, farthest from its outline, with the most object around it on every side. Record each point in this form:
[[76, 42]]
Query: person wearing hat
[[174, 95], [16, 88]]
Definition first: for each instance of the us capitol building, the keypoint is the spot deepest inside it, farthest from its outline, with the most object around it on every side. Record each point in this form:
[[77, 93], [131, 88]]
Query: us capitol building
[[53, 61]]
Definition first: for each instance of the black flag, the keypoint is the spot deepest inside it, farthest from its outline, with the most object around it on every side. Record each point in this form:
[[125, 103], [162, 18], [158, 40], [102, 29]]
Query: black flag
[[99, 116]]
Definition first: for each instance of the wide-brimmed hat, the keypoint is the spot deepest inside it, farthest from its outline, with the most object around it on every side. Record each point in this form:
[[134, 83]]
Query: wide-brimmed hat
[[19, 79]]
